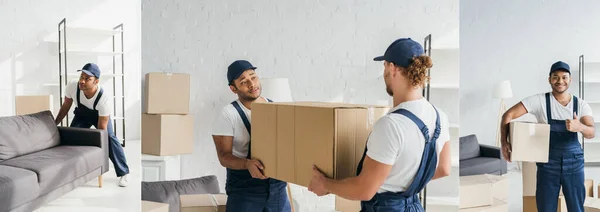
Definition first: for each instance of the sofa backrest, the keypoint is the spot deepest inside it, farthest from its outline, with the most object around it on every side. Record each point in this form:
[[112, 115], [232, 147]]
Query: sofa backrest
[[469, 147], [24, 134]]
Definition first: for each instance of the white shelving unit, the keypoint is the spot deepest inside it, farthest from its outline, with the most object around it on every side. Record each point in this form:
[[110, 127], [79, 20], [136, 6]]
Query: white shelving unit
[[589, 81], [91, 44]]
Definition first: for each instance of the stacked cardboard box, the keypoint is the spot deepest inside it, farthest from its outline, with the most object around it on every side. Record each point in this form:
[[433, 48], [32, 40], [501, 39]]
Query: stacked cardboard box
[[288, 138], [203, 203], [591, 205], [32, 104], [530, 141], [483, 193], [148, 206], [167, 129], [344, 205], [529, 171]]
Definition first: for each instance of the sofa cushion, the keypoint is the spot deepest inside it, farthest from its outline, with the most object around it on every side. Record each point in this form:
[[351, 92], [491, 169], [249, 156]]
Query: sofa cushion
[[481, 165], [469, 147], [59, 165], [20, 135], [169, 191], [17, 186]]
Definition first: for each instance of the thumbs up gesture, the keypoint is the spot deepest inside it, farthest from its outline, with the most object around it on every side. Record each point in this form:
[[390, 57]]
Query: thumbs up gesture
[[574, 125]]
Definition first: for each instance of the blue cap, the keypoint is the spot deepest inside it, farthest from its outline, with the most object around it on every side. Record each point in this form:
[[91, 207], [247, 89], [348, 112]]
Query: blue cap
[[236, 69], [560, 66], [401, 52], [91, 69]]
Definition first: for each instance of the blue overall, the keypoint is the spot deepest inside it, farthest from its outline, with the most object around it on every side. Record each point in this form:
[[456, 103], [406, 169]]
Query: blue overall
[[250, 194], [86, 118], [564, 167], [408, 200]]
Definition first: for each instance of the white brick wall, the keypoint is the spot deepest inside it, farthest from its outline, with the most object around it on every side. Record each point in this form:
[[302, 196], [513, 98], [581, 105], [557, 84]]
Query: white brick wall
[[518, 41], [27, 61], [324, 47]]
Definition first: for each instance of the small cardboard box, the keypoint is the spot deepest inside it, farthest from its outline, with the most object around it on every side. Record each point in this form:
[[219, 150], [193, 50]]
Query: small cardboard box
[[288, 138], [529, 171], [529, 204], [497, 206], [530, 141], [203, 202], [499, 187], [148, 206], [167, 134], [475, 191], [33, 104], [591, 205], [344, 205], [167, 93]]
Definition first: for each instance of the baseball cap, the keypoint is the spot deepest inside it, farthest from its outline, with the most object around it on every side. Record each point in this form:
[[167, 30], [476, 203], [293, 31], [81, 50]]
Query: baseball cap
[[560, 66], [91, 69], [236, 69], [401, 52]]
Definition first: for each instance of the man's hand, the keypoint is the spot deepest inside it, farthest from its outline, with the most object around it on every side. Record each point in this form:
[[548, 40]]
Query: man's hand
[[574, 125], [255, 168], [317, 184], [506, 150]]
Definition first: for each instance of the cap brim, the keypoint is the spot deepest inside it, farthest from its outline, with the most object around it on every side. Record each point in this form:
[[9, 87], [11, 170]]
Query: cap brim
[[380, 58], [87, 72]]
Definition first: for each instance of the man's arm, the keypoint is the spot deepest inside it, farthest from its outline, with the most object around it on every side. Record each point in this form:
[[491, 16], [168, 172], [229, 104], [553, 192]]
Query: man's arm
[[365, 185], [514, 112], [587, 127], [64, 109], [102, 122], [445, 163], [224, 145]]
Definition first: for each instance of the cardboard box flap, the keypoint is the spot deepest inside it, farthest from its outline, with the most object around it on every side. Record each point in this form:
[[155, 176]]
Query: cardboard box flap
[[194, 200], [221, 199], [475, 180], [592, 204], [332, 105]]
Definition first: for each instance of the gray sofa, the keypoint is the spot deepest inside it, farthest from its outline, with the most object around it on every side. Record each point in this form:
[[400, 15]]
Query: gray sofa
[[478, 159], [169, 191], [40, 162]]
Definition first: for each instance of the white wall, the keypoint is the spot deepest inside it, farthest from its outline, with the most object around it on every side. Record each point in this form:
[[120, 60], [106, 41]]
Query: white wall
[[28, 49], [518, 41], [325, 48]]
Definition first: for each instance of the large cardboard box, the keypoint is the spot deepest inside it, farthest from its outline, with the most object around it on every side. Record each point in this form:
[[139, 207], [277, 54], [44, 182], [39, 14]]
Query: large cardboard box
[[591, 205], [497, 206], [203, 202], [148, 206], [499, 187], [530, 141], [32, 104], [167, 93], [345, 205], [288, 138], [475, 191], [167, 134], [529, 204], [529, 171]]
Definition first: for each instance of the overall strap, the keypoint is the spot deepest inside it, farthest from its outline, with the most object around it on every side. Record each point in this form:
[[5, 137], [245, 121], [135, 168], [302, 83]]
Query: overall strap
[[98, 98], [78, 94], [417, 121], [575, 105], [246, 123], [548, 112]]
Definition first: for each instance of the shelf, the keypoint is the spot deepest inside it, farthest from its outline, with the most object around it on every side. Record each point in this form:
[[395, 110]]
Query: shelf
[[92, 53], [117, 118], [593, 102], [592, 141], [444, 86], [84, 31], [454, 125], [50, 84], [77, 74], [592, 81]]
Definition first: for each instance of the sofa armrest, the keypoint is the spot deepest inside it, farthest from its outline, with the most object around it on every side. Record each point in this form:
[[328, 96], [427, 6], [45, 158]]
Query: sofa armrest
[[490, 151], [72, 136]]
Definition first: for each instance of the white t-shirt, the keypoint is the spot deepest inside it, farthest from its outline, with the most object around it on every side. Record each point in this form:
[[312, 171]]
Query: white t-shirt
[[396, 140], [536, 105], [104, 107], [229, 123]]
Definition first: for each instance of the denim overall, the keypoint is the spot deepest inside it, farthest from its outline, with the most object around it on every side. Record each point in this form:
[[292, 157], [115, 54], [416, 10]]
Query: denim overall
[[408, 200], [250, 194], [564, 167], [86, 118]]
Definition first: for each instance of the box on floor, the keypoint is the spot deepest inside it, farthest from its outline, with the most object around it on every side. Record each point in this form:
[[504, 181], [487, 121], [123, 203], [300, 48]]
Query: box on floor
[[288, 138], [592, 205], [167, 134], [32, 104], [148, 206], [496, 206], [203, 202], [345, 205], [530, 141], [167, 93], [529, 172], [529, 204], [475, 191]]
